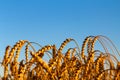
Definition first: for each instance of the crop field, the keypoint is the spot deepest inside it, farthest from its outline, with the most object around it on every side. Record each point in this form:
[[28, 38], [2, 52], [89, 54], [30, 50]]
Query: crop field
[[83, 62]]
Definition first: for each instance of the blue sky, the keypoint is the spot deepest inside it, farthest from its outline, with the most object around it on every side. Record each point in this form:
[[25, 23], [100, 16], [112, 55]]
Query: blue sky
[[52, 21]]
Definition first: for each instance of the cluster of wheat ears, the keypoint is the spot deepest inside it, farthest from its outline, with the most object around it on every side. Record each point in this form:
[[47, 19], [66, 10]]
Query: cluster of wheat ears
[[85, 63]]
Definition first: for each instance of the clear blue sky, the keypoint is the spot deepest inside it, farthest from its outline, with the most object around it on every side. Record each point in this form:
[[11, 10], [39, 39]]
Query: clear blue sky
[[52, 21]]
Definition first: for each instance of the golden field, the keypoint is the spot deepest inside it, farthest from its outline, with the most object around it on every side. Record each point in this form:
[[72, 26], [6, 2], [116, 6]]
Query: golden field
[[77, 63]]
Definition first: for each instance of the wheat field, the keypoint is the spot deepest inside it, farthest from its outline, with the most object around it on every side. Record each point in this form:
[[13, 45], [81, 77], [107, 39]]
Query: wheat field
[[77, 63]]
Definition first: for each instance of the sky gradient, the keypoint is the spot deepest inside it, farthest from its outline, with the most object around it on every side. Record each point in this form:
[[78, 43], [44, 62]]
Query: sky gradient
[[52, 21]]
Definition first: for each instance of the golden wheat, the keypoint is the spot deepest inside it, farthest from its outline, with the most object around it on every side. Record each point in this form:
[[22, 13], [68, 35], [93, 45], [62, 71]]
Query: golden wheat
[[87, 64]]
